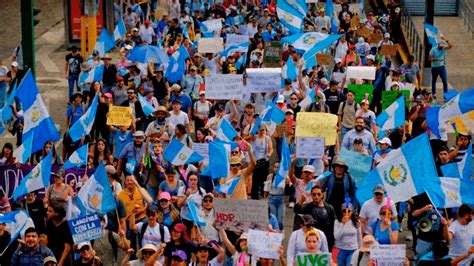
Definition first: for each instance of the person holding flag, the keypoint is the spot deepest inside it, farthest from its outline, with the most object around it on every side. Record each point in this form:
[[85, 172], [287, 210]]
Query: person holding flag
[[437, 57]]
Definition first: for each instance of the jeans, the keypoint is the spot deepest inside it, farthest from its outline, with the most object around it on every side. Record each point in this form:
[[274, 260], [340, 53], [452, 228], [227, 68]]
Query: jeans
[[72, 79], [344, 130], [344, 257], [277, 208], [422, 247], [258, 177], [439, 71]]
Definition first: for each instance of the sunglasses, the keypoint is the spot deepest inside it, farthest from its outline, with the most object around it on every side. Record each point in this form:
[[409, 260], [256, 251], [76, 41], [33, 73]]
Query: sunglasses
[[163, 200], [207, 201], [378, 194], [130, 93], [385, 213], [147, 252], [155, 141], [177, 259], [347, 210], [235, 165], [317, 194], [234, 152], [84, 249]]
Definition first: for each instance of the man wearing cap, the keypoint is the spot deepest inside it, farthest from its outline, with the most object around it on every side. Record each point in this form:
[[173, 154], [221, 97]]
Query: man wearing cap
[[458, 151], [178, 93], [192, 82], [369, 212], [177, 117], [412, 72], [385, 145], [213, 122], [160, 125], [109, 78], [137, 109], [146, 32], [150, 231], [359, 132], [244, 186], [334, 97], [265, 19], [132, 153], [87, 255], [72, 69], [368, 116], [31, 253], [385, 41], [417, 116], [208, 214], [95, 62], [438, 64]]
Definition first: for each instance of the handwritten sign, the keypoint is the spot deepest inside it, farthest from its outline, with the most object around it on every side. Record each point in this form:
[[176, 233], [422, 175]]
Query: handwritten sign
[[359, 164], [119, 116], [213, 25], [210, 45], [375, 37], [202, 149], [224, 87], [338, 76], [264, 244], [364, 32], [390, 50], [272, 54], [388, 254], [320, 125], [388, 97], [323, 59], [305, 259], [360, 90], [85, 228], [241, 215], [234, 39], [263, 79], [282, 130], [309, 148], [361, 72]]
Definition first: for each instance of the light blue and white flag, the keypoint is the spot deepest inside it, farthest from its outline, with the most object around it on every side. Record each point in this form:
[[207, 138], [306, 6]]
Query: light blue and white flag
[[237, 20], [105, 42], [83, 125], [120, 30], [290, 17], [254, 127], [273, 117], [237, 48], [38, 178], [179, 154], [241, 61], [176, 65], [432, 34], [319, 46], [289, 71], [308, 99], [78, 158], [225, 131], [93, 75], [148, 109], [437, 117], [130, 166], [462, 169], [304, 41], [193, 211], [185, 31], [22, 153], [228, 187], [7, 112], [96, 195], [393, 116], [403, 173], [450, 192], [330, 12], [318, 181], [220, 154], [284, 167], [299, 5], [204, 30], [37, 119], [17, 223]]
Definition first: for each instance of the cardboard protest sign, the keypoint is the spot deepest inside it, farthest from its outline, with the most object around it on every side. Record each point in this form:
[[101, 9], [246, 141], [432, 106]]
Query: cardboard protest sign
[[210, 45], [282, 130], [320, 125], [359, 164], [85, 228], [263, 244], [388, 97], [241, 215], [305, 259], [360, 90], [309, 148], [389, 50], [235, 39], [324, 59], [272, 54], [119, 116], [355, 21], [375, 37], [388, 254], [263, 79], [224, 87], [361, 72], [365, 32]]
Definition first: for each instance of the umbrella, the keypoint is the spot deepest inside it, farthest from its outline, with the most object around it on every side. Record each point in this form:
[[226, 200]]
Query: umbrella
[[145, 54]]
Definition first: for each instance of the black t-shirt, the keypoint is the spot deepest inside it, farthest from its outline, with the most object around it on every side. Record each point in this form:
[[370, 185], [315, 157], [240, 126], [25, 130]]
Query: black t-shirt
[[436, 232], [337, 196], [333, 99], [37, 213], [159, 88], [74, 63], [5, 259], [57, 237], [110, 75], [172, 247]]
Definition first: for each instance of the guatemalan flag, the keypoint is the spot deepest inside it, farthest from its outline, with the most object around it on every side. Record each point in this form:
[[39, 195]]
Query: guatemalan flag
[[304, 41], [83, 125], [288, 71], [228, 187], [96, 195], [432, 33], [205, 32], [23, 152], [148, 109], [284, 167], [179, 154], [237, 48], [403, 173], [462, 169], [105, 42], [273, 116], [176, 65], [93, 75], [319, 46], [17, 223], [6, 111], [194, 213], [393, 116], [38, 178], [220, 153], [290, 17], [78, 158], [308, 99], [437, 117], [225, 131], [37, 119], [330, 12], [450, 192], [120, 30]]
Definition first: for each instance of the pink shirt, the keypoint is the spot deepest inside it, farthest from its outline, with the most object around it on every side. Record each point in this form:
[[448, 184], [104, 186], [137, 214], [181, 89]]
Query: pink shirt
[[300, 189]]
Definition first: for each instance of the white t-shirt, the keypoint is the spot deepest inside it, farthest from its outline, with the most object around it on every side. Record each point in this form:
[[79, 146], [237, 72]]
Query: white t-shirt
[[371, 209], [146, 34], [152, 234], [196, 197], [181, 118], [461, 241]]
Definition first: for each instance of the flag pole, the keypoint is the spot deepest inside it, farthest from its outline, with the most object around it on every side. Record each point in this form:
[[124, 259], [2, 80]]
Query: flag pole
[[434, 207]]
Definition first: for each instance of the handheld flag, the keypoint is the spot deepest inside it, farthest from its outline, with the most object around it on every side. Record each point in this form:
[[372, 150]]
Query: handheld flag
[[130, 166], [83, 125], [290, 17], [7, 113], [225, 131], [236, 48], [462, 169], [179, 154], [204, 30], [96, 195], [104, 43], [176, 66], [432, 33], [148, 109], [308, 99], [228, 187], [17, 222], [284, 167], [450, 192], [93, 75], [37, 119], [289, 71], [38, 178], [220, 154], [393, 116], [193, 210], [78, 158], [318, 180], [145, 54], [303, 42], [321, 45], [120, 30], [274, 117], [23, 152]]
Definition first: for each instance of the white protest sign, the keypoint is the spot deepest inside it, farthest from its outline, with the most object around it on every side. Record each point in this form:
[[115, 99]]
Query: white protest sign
[[224, 87], [241, 215], [338, 76], [264, 244], [361, 72], [409, 86], [202, 149], [234, 39], [385, 255], [263, 79], [213, 25], [210, 45], [309, 148]]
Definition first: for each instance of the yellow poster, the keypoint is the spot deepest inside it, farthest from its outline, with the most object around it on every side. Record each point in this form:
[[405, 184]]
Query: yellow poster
[[119, 116], [320, 125]]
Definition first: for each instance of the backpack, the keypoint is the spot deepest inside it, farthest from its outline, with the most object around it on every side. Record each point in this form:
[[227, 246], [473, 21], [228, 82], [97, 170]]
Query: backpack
[[344, 106], [145, 226], [112, 242]]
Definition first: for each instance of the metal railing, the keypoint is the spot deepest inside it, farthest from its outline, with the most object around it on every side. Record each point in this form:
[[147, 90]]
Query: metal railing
[[413, 38], [466, 11]]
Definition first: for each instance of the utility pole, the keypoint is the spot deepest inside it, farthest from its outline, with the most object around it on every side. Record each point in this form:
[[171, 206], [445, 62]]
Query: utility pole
[[90, 10], [28, 35], [429, 18]]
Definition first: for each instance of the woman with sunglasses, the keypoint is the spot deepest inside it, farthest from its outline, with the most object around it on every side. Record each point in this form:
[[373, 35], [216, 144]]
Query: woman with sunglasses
[[168, 214], [194, 193], [155, 171], [262, 149], [384, 230], [149, 252], [347, 234]]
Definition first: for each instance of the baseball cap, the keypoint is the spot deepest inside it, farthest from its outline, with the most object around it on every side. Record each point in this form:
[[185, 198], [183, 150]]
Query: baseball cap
[[386, 35], [110, 169], [379, 189], [108, 95], [307, 219], [14, 64], [308, 168], [139, 133], [281, 99], [179, 254], [49, 259], [386, 141], [164, 195], [84, 244]]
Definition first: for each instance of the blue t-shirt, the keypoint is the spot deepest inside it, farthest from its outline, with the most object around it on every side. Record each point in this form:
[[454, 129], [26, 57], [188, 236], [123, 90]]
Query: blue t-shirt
[[383, 237], [78, 112], [438, 54], [186, 102], [120, 139], [173, 192]]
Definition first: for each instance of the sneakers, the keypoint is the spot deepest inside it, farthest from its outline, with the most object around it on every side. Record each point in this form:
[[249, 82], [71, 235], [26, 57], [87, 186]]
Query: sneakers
[[291, 205]]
